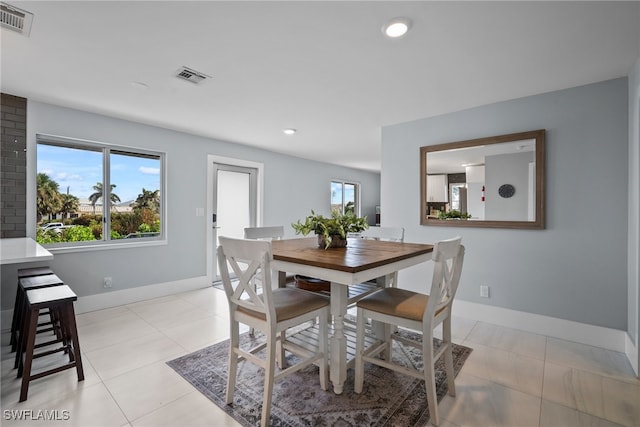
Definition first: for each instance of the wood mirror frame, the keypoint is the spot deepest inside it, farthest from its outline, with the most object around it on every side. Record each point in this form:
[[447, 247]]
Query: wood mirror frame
[[539, 208]]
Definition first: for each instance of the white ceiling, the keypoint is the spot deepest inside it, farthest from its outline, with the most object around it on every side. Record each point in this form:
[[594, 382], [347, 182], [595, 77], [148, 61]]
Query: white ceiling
[[323, 68]]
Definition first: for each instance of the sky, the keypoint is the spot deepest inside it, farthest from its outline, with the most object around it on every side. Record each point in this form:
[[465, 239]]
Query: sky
[[80, 170]]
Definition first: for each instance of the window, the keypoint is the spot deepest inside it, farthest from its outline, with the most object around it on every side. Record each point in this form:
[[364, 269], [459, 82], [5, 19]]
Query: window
[[345, 197], [458, 196], [86, 188]]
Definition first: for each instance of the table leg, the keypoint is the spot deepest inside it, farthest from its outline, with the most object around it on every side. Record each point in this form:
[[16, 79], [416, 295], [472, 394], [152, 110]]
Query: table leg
[[338, 343]]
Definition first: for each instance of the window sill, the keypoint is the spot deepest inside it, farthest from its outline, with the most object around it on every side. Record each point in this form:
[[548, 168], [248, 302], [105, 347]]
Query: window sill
[[103, 246]]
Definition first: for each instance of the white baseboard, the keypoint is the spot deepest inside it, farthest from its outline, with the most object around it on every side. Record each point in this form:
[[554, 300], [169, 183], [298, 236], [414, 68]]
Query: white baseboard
[[631, 351], [125, 296], [598, 336], [141, 293]]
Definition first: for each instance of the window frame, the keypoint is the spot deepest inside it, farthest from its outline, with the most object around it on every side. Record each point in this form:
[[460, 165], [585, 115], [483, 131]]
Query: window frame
[[106, 150], [357, 188]]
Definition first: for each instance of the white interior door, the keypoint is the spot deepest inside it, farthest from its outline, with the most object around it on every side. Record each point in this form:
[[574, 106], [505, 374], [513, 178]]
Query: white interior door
[[235, 202]]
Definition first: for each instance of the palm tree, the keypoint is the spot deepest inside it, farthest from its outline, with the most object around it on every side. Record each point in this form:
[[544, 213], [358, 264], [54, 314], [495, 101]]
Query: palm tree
[[94, 197], [48, 196], [70, 204], [148, 199]]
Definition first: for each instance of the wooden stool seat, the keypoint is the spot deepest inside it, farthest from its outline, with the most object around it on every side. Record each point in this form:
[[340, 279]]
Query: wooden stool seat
[[59, 300], [29, 278]]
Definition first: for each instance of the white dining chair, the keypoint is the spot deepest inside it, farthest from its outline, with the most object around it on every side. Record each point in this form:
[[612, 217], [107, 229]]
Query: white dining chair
[[418, 312], [391, 234], [271, 312], [275, 232]]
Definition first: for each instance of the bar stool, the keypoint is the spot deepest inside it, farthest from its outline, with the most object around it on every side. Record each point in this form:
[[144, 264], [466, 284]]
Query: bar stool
[[59, 300], [29, 278], [23, 272]]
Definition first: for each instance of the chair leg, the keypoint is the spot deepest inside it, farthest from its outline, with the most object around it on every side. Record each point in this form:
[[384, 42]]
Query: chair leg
[[386, 353], [359, 369], [280, 352], [322, 343], [29, 347], [70, 319], [16, 321], [448, 355], [234, 342], [269, 372], [429, 377]]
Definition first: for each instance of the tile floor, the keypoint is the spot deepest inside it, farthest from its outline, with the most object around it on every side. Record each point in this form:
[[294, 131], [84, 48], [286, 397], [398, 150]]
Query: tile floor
[[512, 378]]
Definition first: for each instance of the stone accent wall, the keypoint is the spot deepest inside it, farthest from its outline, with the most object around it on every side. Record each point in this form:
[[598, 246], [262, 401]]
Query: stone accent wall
[[13, 166]]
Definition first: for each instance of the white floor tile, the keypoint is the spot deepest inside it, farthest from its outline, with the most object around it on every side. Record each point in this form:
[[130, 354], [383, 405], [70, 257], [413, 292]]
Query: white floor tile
[[192, 410], [589, 358], [211, 299], [479, 402], [147, 389], [597, 395], [88, 407], [555, 415], [168, 312], [520, 342], [573, 388], [101, 315], [115, 360], [200, 333], [118, 329], [504, 367]]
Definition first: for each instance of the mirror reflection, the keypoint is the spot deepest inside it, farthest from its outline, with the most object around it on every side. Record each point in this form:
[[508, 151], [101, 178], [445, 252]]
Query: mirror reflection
[[488, 182]]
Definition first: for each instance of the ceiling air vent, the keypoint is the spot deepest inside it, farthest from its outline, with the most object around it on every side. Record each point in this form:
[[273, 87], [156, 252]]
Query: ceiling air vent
[[15, 19], [190, 75]]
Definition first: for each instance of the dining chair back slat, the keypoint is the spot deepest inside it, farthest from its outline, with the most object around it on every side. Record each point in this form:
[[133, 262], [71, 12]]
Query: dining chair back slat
[[264, 233], [391, 234]]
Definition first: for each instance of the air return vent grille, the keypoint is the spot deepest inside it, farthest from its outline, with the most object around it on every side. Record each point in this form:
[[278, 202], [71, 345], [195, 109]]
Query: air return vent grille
[[15, 19], [190, 75]]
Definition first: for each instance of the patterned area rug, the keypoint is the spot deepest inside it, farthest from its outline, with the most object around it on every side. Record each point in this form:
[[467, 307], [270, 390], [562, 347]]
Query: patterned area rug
[[388, 398]]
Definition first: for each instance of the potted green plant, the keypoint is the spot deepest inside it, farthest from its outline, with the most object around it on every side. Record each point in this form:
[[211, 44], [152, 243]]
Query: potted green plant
[[332, 231], [454, 214]]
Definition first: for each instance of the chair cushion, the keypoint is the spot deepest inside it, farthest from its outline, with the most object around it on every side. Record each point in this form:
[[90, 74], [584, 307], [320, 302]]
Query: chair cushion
[[290, 303], [396, 302]]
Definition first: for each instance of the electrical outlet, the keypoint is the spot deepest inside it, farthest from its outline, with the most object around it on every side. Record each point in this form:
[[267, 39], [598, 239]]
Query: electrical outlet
[[108, 282], [484, 291]]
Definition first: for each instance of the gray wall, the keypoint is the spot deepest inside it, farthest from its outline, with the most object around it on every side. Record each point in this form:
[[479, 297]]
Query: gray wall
[[634, 208], [507, 169], [575, 269], [292, 187]]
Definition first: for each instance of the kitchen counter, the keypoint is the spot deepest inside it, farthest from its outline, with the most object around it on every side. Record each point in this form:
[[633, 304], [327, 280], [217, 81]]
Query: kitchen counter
[[22, 249]]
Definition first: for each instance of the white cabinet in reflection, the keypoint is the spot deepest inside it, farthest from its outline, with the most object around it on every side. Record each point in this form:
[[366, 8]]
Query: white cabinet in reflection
[[437, 188]]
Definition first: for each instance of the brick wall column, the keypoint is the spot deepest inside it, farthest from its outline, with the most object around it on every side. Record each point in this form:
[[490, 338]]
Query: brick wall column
[[13, 166]]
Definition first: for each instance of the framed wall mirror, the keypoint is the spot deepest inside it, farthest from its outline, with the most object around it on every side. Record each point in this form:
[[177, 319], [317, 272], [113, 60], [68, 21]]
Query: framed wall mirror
[[496, 182]]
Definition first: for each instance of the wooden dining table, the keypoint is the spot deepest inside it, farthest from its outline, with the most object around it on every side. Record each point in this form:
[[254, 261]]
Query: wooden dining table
[[362, 260]]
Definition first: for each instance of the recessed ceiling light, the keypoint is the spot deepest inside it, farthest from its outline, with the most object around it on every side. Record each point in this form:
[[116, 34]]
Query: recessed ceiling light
[[397, 27], [289, 131]]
